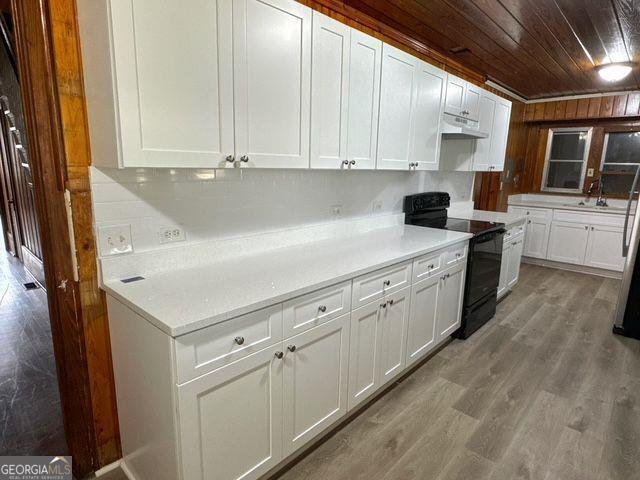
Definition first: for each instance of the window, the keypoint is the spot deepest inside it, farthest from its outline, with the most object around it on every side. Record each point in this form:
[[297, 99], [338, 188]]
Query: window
[[620, 160], [566, 159]]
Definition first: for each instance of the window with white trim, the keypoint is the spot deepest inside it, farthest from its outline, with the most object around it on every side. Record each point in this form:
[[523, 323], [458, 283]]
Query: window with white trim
[[566, 160]]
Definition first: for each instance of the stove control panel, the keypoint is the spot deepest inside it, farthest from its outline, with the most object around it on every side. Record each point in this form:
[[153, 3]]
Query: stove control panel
[[424, 202]]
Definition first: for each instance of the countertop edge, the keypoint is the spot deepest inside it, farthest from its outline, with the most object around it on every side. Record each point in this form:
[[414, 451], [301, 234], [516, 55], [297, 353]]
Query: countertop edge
[[551, 206], [202, 323]]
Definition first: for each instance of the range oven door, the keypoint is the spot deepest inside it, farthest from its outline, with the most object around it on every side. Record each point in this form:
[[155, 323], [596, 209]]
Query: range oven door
[[483, 269]]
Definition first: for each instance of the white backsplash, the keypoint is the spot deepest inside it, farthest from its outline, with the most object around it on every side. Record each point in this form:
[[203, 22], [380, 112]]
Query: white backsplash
[[217, 204]]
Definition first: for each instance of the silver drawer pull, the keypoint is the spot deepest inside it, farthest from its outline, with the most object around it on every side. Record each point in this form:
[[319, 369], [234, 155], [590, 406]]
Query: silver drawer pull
[[386, 283], [279, 354], [230, 159], [383, 305], [345, 162], [458, 255], [244, 158], [239, 340], [390, 302], [291, 348], [432, 266], [322, 308]]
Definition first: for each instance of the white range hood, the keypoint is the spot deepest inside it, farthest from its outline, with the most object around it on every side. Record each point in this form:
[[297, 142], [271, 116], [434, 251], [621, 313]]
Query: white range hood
[[456, 127]]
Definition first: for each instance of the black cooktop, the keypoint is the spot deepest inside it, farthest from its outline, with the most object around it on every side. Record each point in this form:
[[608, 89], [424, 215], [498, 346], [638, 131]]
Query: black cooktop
[[474, 227]]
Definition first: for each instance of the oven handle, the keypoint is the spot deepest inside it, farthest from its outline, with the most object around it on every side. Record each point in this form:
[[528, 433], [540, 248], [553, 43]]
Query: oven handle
[[487, 237]]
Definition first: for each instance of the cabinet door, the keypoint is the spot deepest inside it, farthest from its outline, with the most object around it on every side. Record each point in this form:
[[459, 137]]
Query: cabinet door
[[482, 154], [364, 99], [329, 91], [472, 101], [430, 89], [175, 109], [272, 79], [363, 352], [454, 103], [513, 266], [604, 248], [450, 301], [315, 381], [568, 242], [397, 108], [421, 328], [537, 238], [504, 269], [231, 419], [500, 135], [393, 329]]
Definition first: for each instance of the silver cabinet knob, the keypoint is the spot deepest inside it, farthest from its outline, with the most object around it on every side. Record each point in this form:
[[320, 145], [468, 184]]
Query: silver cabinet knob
[[352, 162], [431, 267], [291, 348], [239, 340], [386, 283], [244, 158], [322, 308], [383, 305], [230, 158], [593, 228], [279, 354], [586, 227], [345, 163], [390, 302]]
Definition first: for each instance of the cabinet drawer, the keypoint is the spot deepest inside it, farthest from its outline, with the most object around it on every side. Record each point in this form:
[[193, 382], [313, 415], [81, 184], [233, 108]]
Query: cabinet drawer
[[213, 347], [373, 286], [310, 310], [541, 213], [513, 233], [454, 255], [426, 266], [590, 218]]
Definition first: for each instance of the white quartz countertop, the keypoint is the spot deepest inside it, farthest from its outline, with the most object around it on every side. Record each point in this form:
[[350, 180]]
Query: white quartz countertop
[[184, 300], [616, 208], [509, 219]]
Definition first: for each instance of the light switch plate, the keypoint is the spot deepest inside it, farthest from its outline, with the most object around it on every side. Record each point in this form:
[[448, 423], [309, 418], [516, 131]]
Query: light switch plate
[[115, 240], [590, 172]]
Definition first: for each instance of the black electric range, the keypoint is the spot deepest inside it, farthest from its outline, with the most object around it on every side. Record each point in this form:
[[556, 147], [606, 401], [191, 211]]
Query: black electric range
[[483, 261]]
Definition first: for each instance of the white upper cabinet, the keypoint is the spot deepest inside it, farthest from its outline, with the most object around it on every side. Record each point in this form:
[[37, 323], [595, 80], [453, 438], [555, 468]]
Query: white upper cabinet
[[462, 98], [493, 118], [430, 87], [397, 109], [156, 96], [331, 45], [272, 80], [364, 100]]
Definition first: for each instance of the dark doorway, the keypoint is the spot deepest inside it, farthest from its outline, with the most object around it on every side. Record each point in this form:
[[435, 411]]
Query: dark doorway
[[31, 421]]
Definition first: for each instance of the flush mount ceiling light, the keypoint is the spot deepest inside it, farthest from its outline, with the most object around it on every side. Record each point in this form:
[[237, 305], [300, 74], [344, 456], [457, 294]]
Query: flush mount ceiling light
[[614, 72]]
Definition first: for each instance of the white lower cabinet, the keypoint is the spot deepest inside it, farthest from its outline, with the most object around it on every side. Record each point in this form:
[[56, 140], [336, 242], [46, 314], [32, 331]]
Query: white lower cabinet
[[513, 264], [604, 247], [231, 419], [393, 320], [315, 381], [450, 301], [568, 242], [537, 239], [503, 284], [421, 330]]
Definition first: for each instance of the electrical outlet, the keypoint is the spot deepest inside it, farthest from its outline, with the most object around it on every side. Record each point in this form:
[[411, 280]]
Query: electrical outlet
[[376, 206], [336, 211], [590, 172], [171, 234], [115, 240]]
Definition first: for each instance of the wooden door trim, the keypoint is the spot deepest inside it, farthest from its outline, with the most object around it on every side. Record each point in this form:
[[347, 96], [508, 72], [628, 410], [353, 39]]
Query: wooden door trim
[[51, 81]]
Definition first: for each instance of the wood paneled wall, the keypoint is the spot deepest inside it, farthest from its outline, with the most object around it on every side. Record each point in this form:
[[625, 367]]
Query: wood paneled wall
[[611, 106]]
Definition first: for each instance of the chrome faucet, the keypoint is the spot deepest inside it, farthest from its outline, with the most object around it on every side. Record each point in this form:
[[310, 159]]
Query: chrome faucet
[[602, 199], [592, 186]]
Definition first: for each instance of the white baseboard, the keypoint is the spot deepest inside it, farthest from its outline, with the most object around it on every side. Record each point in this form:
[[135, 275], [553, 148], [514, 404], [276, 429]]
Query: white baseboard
[[572, 268], [119, 464]]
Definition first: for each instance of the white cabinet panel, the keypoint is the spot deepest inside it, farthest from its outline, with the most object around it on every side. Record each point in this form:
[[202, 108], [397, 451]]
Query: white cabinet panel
[[421, 329], [604, 248], [363, 353], [568, 242], [482, 155], [431, 85], [397, 109], [450, 301], [500, 134], [364, 99], [455, 95], [315, 381], [393, 328], [231, 419], [513, 266], [504, 269], [472, 101], [272, 76], [169, 118], [537, 238], [331, 42]]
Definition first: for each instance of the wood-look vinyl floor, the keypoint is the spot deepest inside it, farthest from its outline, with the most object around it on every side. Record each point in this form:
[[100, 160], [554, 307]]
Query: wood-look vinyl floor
[[544, 391]]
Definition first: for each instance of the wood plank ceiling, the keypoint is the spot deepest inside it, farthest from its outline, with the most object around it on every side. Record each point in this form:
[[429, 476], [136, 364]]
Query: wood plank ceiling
[[536, 48]]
